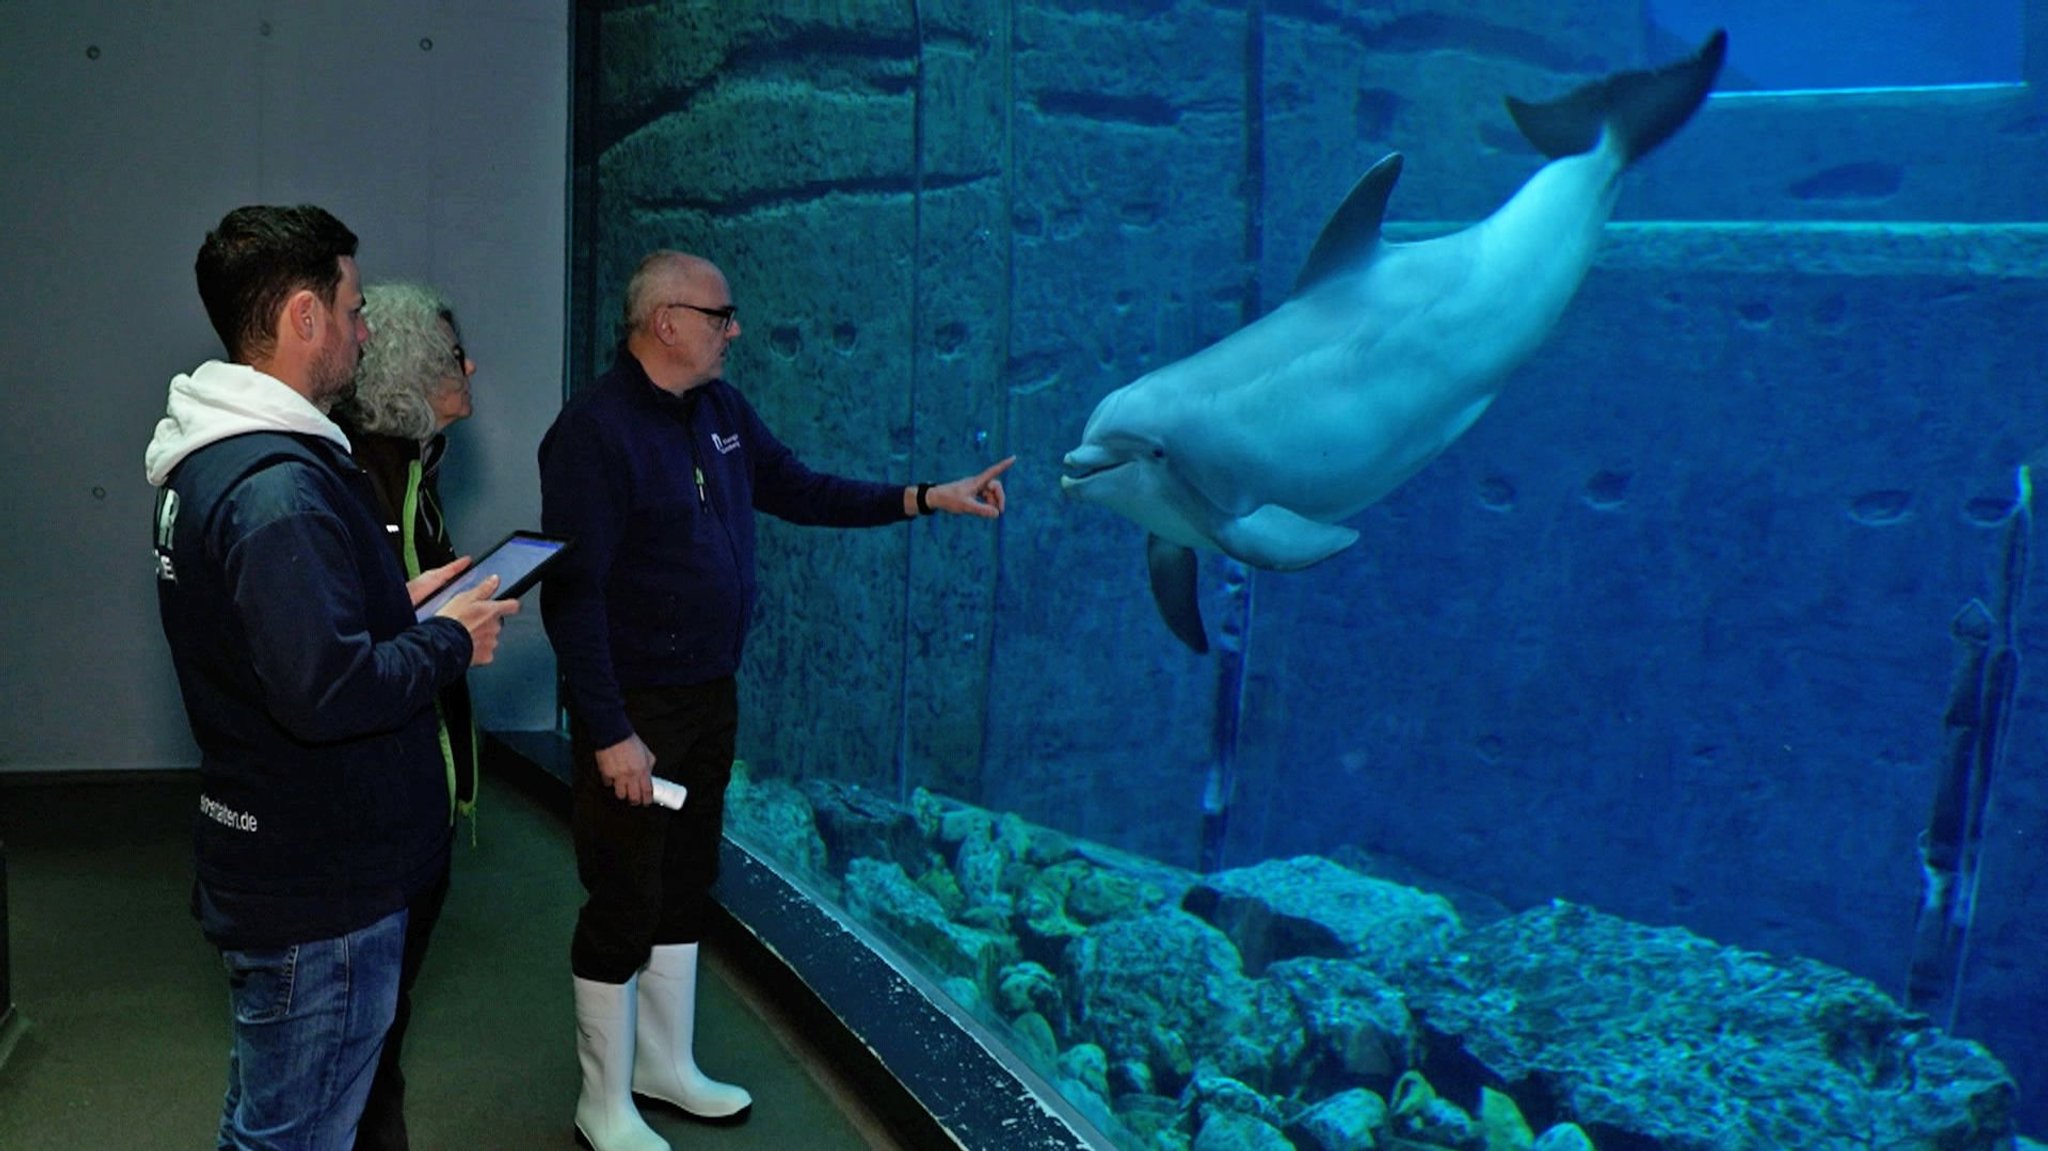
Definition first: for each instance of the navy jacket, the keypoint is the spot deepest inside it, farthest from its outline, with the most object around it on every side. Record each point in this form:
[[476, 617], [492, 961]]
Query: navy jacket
[[310, 691], [659, 493]]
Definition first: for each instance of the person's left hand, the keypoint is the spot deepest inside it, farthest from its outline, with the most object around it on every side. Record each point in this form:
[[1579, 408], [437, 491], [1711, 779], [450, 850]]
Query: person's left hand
[[980, 495], [432, 580]]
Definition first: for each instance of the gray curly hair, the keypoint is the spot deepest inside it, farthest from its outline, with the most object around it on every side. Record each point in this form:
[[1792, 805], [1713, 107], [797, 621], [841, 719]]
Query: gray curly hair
[[407, 355]]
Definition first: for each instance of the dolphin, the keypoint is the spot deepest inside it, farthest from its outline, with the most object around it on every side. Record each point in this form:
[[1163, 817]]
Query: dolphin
[[1261, 444]]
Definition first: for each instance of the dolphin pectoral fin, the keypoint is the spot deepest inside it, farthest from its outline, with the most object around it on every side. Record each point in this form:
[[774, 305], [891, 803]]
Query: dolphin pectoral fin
[[1643, 108], [1279, 540], [1173, 589]]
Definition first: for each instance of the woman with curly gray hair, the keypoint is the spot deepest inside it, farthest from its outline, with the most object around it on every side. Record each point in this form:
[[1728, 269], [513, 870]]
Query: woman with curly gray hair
[[411, 384]]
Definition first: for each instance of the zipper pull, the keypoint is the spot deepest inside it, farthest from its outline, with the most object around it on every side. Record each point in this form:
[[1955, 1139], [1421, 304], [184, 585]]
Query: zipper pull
[[703, 497]]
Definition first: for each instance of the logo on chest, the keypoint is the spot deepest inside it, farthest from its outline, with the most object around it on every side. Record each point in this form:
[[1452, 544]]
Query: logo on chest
[[726, 445], [166, 527]]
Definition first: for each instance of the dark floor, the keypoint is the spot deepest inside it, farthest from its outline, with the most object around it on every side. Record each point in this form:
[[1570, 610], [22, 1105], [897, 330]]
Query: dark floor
[[126, 1038]]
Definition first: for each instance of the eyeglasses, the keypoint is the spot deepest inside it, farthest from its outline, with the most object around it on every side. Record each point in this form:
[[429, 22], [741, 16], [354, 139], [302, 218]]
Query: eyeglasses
[[461, 359], [728, 317]]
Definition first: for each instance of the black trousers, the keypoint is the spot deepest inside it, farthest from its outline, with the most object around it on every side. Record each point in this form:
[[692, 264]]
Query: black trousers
[[647, 870], [383, 1124]]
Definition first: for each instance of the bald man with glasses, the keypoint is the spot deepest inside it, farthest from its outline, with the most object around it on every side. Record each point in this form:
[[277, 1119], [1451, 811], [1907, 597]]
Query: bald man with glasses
[[656, 471]]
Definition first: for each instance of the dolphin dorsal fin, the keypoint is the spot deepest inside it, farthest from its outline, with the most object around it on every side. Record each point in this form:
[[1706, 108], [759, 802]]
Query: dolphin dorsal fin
[[1354, 228]]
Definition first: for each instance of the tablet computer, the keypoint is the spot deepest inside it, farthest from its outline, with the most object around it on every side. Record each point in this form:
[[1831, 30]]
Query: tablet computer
[[517, 561]]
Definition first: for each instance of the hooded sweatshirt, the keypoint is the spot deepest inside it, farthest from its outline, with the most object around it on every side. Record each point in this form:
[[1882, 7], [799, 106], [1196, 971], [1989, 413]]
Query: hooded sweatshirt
[[308, 684]]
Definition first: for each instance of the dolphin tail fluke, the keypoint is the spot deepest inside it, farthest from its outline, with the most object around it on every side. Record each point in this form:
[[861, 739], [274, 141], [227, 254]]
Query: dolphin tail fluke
[[1643, 108], [1173, 589]]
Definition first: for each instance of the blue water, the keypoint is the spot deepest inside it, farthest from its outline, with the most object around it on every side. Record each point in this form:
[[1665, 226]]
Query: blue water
[[1855, 43]]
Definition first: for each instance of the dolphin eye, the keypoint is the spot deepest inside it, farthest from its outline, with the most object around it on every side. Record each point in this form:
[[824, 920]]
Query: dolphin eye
[[1158, 453]]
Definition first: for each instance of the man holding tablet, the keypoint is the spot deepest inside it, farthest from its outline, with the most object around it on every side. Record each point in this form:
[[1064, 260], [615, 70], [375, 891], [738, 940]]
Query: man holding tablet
[[656, 471], [308, 682]]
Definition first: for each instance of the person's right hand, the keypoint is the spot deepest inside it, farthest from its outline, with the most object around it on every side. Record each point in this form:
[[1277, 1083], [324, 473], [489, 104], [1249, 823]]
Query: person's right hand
[[628, 766], [481, 616]]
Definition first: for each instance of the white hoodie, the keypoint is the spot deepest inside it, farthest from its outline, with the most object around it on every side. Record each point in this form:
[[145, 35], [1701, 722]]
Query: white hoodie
[[219, 400]]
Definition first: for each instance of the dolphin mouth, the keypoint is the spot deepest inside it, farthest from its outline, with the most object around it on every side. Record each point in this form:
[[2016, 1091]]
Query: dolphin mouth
[[1083, 467], [1090, 460], [1075, 485], [1079, 474]]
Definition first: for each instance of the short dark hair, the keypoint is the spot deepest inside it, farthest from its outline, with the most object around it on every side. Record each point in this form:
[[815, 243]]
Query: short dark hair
[[255, 258]]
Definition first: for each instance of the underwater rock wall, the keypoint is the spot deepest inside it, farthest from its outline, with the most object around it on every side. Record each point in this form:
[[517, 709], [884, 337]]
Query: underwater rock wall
[[1298, 1004], [1964, 154], [1700, 676], [1665, 634], [782, 142], [1127, 248]]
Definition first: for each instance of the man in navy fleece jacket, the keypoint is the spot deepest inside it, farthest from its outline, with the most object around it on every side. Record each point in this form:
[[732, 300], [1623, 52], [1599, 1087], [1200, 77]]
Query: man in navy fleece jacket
[[656, 471], [309, 684]]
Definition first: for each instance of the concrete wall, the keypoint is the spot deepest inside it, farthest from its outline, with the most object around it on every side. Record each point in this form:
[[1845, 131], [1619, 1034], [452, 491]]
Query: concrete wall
[[438, 132]]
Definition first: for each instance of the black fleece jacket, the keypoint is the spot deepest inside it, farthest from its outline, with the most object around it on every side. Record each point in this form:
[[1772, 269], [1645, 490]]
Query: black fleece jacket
[[659, 493], [310, 691]]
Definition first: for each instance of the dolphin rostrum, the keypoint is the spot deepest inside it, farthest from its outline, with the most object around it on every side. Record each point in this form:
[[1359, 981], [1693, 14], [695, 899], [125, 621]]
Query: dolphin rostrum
[[1260, 445]]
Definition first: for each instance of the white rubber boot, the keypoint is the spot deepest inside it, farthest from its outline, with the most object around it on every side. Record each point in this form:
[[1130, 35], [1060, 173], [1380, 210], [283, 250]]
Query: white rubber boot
[[606, 1119], [666, 1067]]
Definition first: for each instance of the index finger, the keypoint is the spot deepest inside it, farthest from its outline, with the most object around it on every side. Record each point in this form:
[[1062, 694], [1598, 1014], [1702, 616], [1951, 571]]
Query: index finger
[[995, 469]]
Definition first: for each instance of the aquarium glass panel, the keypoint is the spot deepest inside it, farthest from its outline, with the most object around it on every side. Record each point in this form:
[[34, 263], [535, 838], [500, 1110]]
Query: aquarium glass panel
[[1510, 623]]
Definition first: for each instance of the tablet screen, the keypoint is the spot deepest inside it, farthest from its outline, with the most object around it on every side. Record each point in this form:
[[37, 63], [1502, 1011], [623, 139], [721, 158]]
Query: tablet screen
[[516, 562]]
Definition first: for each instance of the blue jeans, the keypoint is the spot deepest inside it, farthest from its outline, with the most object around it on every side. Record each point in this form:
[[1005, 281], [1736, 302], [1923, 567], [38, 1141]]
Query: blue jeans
[[309, 1021]]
